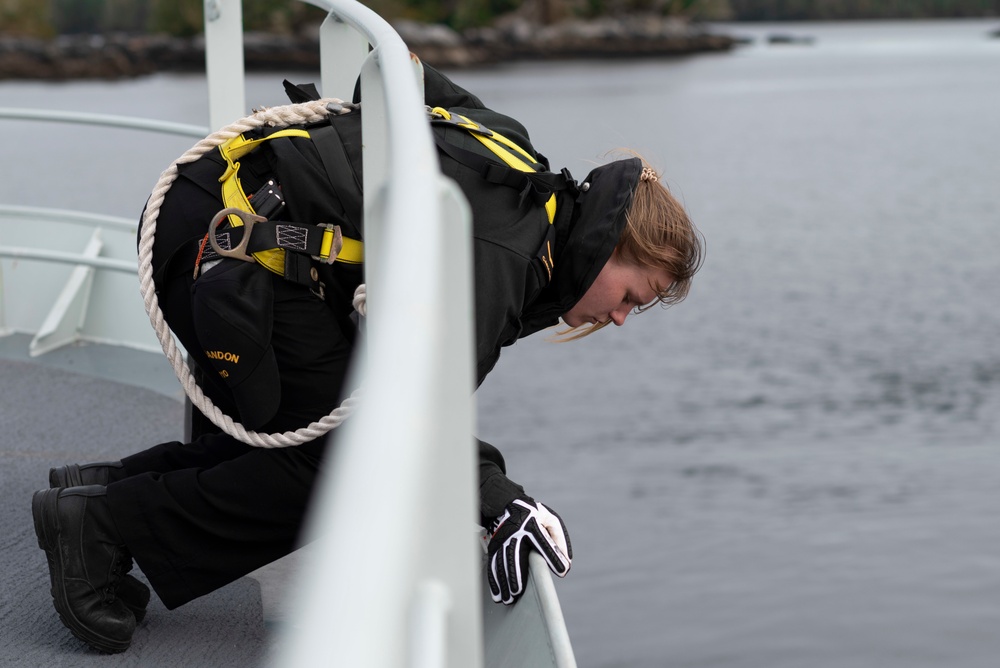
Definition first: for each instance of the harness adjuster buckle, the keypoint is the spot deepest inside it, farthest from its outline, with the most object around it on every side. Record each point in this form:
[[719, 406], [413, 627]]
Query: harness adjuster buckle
[[332, 243], [249, 220]]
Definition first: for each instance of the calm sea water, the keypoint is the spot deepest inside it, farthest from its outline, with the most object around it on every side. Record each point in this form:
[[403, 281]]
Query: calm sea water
[[800, 465]]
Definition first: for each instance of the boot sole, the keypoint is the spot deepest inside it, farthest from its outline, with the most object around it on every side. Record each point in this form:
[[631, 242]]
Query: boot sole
[[43, 506]]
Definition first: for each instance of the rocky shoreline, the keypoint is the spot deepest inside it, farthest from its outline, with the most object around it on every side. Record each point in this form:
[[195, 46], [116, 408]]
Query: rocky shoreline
[[118, 56]]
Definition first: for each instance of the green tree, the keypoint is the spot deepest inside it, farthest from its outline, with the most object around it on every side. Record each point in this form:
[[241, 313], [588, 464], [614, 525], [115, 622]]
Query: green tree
[[125, 16], [181, 18], [781, 10], [28, 18], [279, 16], [77, 16]]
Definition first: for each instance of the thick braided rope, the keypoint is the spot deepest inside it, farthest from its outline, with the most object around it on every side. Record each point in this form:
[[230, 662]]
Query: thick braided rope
[[282, 116]]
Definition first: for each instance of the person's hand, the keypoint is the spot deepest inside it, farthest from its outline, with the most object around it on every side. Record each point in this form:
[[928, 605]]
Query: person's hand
[[525, 525]]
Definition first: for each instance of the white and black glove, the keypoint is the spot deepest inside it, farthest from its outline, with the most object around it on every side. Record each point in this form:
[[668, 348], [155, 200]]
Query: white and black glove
[[524, 526]]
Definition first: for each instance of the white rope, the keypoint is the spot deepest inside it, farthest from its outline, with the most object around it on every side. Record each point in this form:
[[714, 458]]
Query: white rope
[[360, 302], [283, 116]]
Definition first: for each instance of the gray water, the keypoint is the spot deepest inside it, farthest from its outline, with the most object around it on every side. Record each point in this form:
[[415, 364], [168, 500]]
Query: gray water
[[799, 466]]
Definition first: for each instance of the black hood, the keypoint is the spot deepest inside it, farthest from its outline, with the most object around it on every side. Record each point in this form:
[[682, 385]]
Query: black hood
[[585, 244]]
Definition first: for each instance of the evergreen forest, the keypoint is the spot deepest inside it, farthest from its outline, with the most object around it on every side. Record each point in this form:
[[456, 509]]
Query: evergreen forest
[[31, 18]]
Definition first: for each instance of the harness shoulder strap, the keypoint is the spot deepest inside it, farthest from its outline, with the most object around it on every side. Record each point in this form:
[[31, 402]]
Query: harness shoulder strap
[[338, 168], [239, 146], [519, 169]]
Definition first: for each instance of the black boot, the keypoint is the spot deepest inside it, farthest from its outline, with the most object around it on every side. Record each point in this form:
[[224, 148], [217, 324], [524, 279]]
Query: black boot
[[86, 559], [133, 593], [77, 475]]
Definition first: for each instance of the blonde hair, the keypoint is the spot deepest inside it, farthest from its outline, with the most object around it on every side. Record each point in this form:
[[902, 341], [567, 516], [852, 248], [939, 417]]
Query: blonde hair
[[658, 234]]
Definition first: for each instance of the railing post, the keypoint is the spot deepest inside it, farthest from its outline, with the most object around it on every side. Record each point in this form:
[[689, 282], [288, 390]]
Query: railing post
[[224, 62], [374, 167], [342, 50]]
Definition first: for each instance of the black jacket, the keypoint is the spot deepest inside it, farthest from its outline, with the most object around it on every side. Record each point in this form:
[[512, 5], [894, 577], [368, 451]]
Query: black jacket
[[514, 295]]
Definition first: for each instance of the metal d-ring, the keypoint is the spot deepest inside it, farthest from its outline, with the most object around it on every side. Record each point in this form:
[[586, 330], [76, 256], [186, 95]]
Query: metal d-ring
[[249, 220]]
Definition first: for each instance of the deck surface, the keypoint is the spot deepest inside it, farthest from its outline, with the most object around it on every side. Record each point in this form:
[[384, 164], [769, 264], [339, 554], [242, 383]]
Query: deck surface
[[51, 415]]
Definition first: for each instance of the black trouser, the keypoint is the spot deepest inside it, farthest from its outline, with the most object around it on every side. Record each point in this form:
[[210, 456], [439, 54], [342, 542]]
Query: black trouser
[[197, 516]]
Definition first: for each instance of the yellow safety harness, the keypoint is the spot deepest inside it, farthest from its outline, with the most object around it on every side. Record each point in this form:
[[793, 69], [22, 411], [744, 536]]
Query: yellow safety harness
[[233, 195], [499, 145], [515, 157], [240, 208]]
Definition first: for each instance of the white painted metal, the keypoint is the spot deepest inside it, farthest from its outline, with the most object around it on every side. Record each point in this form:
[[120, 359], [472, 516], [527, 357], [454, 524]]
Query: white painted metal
[[428, 626], [29, 281], [224, 62], [36, 214], [84, 259], [347, 48], [531, 633], [405, 462], [551, 613], [63, 323], [108, 120], [40, 252]]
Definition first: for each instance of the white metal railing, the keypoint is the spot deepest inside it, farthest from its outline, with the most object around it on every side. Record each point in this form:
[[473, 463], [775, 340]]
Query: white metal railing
[[61, 308], [36, 214], [106, 120], [408, 592], [75, 259]]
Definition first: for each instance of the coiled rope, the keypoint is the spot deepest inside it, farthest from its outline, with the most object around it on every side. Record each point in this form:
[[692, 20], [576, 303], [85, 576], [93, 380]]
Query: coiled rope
[[283, 116]]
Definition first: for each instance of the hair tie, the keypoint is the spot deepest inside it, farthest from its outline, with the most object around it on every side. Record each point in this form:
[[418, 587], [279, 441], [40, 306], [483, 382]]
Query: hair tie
[[648, 175]]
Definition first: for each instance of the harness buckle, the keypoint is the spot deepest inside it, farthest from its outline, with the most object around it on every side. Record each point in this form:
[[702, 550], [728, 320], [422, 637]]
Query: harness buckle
[[249, 220], [440, 115], [333, 241]]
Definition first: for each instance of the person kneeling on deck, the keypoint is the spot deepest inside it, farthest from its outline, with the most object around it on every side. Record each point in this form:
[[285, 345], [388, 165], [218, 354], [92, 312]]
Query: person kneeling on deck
[[273, 338]]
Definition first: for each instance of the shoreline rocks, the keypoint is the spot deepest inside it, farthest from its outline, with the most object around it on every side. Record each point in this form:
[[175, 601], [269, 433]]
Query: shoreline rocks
[[520, 39], [118, 56], [108, 57]]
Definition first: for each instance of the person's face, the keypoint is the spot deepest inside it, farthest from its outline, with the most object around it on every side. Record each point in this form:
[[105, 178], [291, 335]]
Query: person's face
[[619, 288]]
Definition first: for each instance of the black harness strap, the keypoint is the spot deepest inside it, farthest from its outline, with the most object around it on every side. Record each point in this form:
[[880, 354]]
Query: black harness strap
[[295, 237], [338, 168]]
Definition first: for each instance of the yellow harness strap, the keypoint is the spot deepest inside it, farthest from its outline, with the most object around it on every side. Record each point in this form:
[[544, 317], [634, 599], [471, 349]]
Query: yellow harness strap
[[352, 252], [233, 195], [499, 144]]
